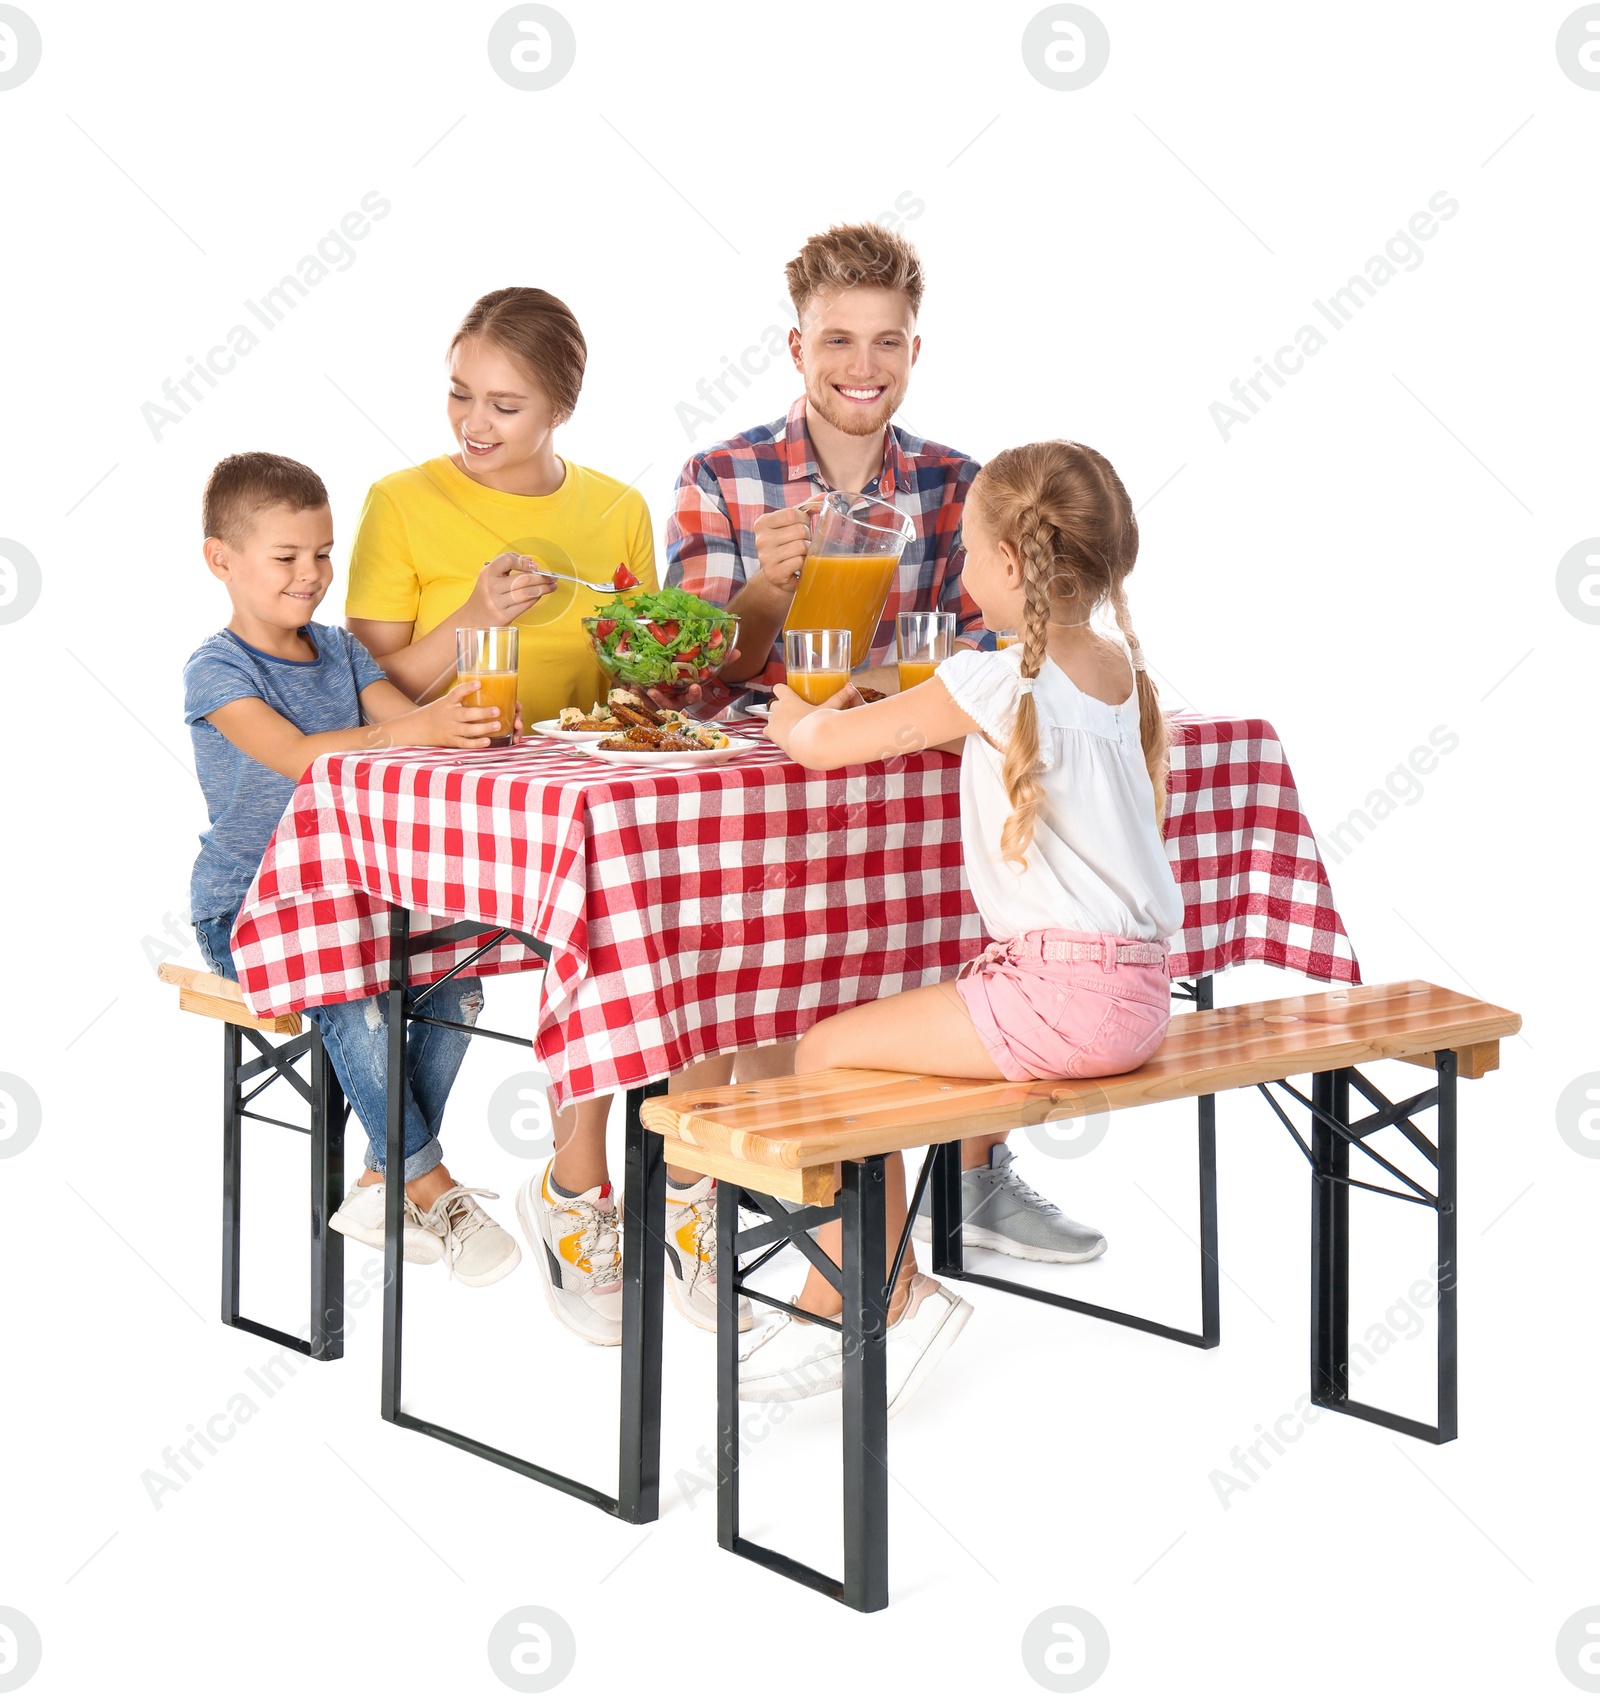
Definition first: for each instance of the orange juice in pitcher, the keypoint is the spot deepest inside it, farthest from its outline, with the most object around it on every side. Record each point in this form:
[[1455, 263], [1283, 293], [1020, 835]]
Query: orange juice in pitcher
[[845, 592], [850, 566]]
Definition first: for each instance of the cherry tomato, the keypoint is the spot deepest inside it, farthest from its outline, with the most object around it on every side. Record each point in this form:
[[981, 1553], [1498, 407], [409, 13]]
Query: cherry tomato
[[623, 579], [714, 641], [604, 627], [689, 654]]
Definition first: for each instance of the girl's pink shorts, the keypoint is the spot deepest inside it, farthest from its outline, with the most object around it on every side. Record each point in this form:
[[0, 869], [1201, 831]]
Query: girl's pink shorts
[[1044, 1019]]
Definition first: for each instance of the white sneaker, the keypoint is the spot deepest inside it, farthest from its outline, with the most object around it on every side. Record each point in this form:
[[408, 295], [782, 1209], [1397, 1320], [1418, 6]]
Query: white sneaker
[[360, 1216], [796, 1359], [692, 1254], [476, 1248], [928, 1325], [579, 1250], [792, 1359]]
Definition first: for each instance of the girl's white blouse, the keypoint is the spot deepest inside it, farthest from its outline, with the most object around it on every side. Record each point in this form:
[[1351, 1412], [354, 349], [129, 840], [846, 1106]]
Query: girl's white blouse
[[1096, 863]]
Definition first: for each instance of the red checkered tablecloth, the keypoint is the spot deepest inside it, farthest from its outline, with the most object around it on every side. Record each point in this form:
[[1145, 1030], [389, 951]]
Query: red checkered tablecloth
[[698, 911]]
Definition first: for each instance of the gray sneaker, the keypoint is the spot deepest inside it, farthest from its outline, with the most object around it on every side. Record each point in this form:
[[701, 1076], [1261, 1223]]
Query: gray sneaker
[[1003, 1212]]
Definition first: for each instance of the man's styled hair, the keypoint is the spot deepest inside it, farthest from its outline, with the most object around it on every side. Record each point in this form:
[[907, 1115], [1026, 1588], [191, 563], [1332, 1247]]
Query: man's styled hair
[[851, 256], [243, 486]]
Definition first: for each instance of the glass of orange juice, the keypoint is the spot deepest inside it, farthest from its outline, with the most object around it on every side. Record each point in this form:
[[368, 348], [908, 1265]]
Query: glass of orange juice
[[487, 659], [818, 663], [1004, 639], [925, 640]]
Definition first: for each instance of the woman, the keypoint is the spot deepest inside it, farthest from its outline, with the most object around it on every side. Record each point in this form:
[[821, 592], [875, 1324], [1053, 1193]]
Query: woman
[[417, 572], [417, 569]]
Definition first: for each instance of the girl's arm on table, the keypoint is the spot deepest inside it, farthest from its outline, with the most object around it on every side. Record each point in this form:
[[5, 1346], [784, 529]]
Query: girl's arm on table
[[821, 737]]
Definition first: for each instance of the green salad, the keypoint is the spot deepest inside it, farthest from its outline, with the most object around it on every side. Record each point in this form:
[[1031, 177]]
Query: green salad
[[661, 637]]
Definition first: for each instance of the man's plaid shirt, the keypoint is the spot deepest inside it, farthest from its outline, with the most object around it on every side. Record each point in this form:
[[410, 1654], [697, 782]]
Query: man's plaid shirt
[[711, 545]]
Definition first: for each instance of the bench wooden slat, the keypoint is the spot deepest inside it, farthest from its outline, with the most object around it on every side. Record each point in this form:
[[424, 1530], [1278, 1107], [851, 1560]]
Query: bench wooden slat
[[793, 1130], [236, 1014]]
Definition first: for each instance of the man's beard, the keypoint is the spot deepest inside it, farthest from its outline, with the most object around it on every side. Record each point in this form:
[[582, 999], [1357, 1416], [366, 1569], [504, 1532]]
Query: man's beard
[[853, 420]]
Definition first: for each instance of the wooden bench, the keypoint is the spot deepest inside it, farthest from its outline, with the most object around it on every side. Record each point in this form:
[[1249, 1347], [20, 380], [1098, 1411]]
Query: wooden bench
[[774, 1147], [243, 1081]]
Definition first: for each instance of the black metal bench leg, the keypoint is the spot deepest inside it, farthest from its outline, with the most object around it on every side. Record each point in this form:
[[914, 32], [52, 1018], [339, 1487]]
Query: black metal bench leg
[[727, 1365], [232, 1150], [328, 1116], [644, 1221], [1330, 1244], [866, 1404]]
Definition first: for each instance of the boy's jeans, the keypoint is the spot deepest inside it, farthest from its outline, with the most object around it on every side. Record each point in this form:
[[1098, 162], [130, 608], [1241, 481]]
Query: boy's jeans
[[357, 1038]]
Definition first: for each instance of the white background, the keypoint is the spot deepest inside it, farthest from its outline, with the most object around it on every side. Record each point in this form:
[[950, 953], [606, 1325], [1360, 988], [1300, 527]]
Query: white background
[[1371, 557]]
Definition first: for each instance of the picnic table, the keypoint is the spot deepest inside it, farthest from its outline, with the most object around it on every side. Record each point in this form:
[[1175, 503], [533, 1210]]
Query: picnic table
[[682, 913]]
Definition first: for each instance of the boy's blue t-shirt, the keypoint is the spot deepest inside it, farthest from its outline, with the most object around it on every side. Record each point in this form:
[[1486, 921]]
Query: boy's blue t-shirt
[[245, 799]]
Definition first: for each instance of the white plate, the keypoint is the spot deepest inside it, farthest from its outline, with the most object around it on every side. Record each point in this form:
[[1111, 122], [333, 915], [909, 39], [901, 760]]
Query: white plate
[[554, 728], [757, 710], [671, 757]]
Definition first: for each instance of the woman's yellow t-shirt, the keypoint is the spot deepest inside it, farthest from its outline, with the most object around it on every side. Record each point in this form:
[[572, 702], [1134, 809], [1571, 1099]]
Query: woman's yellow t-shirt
[[426, 532]]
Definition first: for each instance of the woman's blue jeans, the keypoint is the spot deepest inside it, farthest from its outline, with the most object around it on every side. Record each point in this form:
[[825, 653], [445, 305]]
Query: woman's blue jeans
[[357, 1038]]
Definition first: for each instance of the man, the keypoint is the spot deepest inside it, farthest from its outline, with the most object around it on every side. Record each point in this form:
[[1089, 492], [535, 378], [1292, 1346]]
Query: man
[[738, 536]]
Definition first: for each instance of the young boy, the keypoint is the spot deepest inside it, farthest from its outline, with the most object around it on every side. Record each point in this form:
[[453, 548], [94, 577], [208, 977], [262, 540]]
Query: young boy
[[263, 698]]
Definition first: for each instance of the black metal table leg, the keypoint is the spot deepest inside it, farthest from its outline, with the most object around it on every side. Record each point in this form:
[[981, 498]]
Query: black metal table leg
[[1330, 1243], [644, 1220], [866, 1403], [328, 1115], [947, 1249], [394, 1161]]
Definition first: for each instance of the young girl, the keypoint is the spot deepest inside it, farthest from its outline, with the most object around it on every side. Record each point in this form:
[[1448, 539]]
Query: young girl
[[1063, 790]]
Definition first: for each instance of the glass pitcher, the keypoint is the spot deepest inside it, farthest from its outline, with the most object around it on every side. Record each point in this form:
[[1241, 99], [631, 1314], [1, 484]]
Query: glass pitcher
[[850, 564]]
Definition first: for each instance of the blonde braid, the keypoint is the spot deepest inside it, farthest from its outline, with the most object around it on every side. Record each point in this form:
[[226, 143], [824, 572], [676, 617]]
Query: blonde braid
[[1020, 772], [1152, 722]]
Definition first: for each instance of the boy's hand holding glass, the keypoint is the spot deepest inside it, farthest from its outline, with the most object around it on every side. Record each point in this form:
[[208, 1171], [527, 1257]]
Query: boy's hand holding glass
[[449, 723]]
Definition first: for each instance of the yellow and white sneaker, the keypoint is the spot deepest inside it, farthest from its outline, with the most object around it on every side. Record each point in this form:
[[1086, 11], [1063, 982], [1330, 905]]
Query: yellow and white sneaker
[[577, 1243], [692, 1254]]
